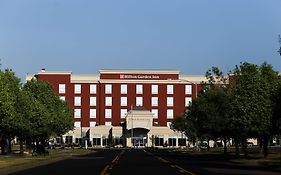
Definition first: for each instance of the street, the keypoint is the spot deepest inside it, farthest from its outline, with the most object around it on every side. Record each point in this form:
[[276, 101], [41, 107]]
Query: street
[[142, 161]]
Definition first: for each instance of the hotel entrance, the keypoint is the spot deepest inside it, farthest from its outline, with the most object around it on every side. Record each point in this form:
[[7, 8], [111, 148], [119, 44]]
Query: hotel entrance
[[139, 141]]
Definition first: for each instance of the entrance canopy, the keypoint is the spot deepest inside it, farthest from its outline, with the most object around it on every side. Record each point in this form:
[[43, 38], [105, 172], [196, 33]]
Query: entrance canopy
[[139, 118]]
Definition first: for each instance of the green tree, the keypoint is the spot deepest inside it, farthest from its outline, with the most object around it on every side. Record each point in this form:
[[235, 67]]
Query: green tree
[[49, 116], [9, 92], [252, 102]]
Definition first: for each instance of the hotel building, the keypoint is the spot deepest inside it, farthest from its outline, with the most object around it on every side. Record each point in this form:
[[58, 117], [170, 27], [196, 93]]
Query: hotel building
[[125, 107]]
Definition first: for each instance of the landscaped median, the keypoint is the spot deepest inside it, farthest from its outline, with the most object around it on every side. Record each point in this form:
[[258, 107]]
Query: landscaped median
[[13, 160]]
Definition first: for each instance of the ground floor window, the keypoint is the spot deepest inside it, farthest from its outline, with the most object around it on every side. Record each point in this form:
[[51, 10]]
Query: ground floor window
[[96, 141], [182, 141], [172, 141], [158, 141], [105, 141], [68, 139]]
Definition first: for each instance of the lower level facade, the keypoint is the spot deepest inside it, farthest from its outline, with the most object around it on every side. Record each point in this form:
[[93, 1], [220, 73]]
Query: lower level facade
[[137, 131]]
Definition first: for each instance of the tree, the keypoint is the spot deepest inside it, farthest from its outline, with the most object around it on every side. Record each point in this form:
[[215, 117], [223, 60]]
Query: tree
[[9, 91], [49, 116], [252, 105]]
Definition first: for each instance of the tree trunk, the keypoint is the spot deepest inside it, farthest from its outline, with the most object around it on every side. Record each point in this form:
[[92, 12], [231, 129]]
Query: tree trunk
[[225, 146], [244, 147], [3, 144], [21, 146], [10, 145], [260, 144], [208, 146], [236, 143], [265, 144]]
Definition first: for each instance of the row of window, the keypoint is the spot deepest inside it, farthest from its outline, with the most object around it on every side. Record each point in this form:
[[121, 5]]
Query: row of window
[[123, 100], [108, 89], [93, 124], [123, 113]]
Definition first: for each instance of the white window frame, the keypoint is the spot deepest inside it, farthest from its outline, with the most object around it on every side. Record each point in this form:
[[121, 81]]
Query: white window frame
[[108, 124], [170, 89], [61, 88], [155, 113], [123, 113], [77, 101], [170, 113], [188, 101], [77, 88], [123, 101], [93, 88], [93, 113], [93, 101], [139, 101], [108, 101], [93, 124], [154, 101], [77, 113], [188, 89], [139, 89], [170, 101], [154, 89], [108, 88], [124, 89], [62, 98], [77, 124], [108, 113]]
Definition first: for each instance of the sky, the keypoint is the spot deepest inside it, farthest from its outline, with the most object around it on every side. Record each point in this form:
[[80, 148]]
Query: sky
[[85, 36]]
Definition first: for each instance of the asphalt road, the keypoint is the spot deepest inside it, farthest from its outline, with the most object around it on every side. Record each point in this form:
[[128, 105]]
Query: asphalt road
[[142, 162]]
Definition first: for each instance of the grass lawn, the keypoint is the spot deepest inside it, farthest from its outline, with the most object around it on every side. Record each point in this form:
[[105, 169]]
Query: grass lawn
[[216, 154], [15, 159]]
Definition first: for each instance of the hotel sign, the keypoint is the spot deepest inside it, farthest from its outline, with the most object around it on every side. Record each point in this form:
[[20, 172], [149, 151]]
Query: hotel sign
[[138, 76]]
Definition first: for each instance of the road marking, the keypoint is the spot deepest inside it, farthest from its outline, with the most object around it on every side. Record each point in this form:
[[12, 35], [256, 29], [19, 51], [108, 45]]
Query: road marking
[[110, 166], [180, 169], [104, 170]]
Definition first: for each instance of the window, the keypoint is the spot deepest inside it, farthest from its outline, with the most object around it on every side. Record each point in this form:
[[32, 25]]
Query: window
[[188, 89], [107, 113], [123, 89], [123, 101], [92, 124], [93, 101], [154, 89], [170, 101], [93, 88], [170, 113], [108, 101], [77, 124], [62, 98], [77, 88], [188, 101], [123, 113], [77, 113], [139, 89], [108, 88], [107, 123], [93, 113], [169, 124], [170, 89], [61, 88], [77, 101], [155, 113], [138, 101], [154, 101]]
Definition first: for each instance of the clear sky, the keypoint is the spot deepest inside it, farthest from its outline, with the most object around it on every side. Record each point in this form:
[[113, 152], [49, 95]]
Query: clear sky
[[85, 36]]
